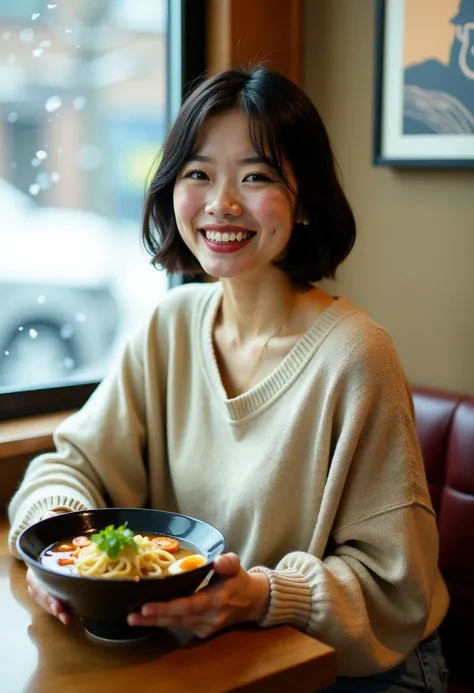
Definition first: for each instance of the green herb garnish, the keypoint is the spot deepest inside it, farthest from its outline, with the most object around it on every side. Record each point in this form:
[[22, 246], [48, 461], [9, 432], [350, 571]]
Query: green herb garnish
[[112, 541]]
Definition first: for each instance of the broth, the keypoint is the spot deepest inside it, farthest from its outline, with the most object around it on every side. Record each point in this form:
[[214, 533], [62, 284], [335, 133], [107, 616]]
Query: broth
[[64, 549]]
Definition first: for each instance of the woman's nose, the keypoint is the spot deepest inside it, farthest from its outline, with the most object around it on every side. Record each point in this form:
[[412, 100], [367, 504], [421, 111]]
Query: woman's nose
[[223, 204]]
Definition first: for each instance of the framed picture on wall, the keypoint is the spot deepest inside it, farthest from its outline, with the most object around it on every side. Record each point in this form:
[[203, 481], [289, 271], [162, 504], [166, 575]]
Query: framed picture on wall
[[424, 83]]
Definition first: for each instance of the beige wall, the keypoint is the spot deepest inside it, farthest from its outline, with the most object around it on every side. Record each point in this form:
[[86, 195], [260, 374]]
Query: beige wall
[[412, 267]]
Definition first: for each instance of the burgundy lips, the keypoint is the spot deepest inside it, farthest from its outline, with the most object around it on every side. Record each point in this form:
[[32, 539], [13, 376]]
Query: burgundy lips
[[226, 246]]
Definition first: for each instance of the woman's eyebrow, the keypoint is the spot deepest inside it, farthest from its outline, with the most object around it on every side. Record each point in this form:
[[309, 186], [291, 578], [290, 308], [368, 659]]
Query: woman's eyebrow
[[253, 160], [256, 159], [200, 157]]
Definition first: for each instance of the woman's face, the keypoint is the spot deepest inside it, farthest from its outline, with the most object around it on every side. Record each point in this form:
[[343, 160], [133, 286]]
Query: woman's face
[[233, 211]]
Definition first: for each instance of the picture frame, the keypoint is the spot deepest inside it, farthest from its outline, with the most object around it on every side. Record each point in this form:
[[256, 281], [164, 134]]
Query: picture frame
[[424, 84]]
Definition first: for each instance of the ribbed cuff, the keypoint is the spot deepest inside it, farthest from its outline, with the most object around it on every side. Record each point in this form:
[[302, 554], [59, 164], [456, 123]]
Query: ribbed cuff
[[290, 598], [33, 513]]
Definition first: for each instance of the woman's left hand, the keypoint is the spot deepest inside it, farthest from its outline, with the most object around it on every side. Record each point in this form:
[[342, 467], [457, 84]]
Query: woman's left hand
[[235, 596]]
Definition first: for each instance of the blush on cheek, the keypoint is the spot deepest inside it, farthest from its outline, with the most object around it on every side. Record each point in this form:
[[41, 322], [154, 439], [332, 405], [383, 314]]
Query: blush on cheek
[[273, 209], [185, 205]]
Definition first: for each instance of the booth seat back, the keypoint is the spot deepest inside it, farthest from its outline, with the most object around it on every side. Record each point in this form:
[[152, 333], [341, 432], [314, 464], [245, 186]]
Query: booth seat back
[[445, 425]]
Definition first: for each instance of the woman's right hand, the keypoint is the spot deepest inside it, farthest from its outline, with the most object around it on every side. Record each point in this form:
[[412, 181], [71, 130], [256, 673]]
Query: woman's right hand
[[39, 594]]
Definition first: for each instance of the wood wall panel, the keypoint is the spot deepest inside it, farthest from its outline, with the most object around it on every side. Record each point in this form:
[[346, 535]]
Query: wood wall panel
[[242, 32]]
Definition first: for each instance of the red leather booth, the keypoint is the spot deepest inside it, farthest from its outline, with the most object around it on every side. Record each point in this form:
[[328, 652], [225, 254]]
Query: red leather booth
[[445, 424]]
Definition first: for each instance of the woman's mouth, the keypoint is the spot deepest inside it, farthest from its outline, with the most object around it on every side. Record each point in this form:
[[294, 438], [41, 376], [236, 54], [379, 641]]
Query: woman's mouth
[[226, 241]]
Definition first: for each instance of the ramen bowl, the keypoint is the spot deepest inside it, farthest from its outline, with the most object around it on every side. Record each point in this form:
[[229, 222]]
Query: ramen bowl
[[103, 604]]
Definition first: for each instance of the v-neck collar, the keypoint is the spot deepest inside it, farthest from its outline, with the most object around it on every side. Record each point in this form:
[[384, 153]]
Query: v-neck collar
[[258, 397]]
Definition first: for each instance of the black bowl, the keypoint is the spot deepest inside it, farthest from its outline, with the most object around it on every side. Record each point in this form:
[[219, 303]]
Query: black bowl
[[105, 604]]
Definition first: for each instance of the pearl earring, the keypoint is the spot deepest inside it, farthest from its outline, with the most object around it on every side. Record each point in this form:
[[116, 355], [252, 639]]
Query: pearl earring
[[305, 222]]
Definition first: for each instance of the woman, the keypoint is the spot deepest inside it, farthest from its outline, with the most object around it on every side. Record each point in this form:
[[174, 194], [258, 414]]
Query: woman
[[261, 404]]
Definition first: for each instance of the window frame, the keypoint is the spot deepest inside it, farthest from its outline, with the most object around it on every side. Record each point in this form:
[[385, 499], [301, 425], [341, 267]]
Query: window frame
[[187, 59]]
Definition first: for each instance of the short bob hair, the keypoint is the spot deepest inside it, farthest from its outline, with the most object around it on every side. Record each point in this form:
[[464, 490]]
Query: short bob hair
[[285, 130]]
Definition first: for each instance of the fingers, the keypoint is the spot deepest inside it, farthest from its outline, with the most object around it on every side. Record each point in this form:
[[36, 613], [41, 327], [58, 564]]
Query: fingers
[[53, 513], [203, 605], [197, 603], [49, 513], [45, 600], [227, 564], [201, 625]]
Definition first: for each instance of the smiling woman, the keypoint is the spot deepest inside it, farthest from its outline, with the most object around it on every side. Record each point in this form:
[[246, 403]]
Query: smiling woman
[[265, 164], [258, 393], [234, 201]]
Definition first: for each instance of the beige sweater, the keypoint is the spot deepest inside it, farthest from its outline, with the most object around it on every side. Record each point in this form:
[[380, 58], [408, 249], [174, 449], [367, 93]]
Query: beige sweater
[[314, 475]]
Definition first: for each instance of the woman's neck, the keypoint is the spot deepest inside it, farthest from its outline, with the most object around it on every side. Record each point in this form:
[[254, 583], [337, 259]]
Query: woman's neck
[[251, 310]]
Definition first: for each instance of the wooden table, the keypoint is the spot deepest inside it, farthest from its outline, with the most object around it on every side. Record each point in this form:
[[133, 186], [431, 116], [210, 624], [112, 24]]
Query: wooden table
[[40, 655]]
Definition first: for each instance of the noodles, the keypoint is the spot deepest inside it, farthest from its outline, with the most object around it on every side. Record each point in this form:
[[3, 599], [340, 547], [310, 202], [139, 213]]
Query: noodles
[[146, 561], [119, 553]]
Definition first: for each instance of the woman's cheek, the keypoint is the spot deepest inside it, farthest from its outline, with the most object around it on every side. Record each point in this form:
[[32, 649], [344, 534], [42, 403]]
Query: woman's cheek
[[186, 204], [273, 210]]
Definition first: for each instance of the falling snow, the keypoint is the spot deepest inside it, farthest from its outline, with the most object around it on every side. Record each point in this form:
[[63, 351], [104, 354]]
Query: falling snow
[[53, 103], [81, 148]]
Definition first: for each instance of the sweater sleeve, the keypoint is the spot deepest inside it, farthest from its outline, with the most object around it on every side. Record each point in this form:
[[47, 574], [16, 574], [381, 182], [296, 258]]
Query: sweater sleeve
[[367, 592], [370, 599], [98, 459]]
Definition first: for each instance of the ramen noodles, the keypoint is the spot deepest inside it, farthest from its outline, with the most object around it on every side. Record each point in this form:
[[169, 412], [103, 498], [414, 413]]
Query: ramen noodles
[[118, 553]]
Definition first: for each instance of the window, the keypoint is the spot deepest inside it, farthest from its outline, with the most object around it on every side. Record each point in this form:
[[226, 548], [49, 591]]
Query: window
[[87, 90]]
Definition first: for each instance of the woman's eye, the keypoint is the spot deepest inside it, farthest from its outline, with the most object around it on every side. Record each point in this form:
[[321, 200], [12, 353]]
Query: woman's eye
[[257, 178], [196, 175]]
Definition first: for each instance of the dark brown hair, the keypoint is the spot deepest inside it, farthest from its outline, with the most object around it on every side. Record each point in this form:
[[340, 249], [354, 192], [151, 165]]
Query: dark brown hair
[[284, 127]]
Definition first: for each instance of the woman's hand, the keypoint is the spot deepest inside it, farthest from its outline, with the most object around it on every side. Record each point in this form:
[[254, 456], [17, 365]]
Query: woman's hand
[[236, 596], [39, 594]]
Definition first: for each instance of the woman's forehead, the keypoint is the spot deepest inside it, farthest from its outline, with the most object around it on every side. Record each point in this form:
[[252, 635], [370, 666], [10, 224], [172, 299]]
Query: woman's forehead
[[230, 128]]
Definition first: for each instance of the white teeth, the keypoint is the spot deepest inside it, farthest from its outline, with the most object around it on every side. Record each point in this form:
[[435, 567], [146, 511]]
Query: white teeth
[[225, 237]]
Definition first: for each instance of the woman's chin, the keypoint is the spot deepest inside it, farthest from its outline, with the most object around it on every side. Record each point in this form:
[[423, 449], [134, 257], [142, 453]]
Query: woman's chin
[[222, 270]]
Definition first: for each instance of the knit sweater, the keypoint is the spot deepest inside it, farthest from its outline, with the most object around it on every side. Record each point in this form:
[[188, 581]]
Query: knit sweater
[[314, 475]]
